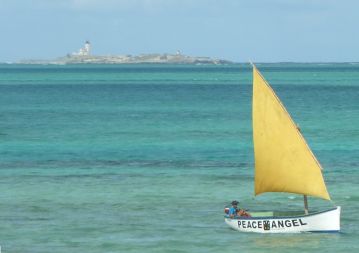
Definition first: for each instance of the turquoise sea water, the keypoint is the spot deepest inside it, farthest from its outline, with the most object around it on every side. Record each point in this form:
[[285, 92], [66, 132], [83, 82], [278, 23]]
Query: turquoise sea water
[[143, 158]]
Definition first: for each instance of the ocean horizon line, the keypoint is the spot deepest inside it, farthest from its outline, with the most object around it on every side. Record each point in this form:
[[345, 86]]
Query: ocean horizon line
[[160, 63]]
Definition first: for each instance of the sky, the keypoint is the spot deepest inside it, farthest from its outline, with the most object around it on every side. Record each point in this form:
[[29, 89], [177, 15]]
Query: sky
[[237, 30]]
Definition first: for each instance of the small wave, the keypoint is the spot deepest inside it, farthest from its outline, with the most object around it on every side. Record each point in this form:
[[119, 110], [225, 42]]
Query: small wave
[[89, 164]]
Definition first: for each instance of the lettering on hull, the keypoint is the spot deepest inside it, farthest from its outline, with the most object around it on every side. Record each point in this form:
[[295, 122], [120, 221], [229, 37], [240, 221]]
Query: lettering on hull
[[271, 224]]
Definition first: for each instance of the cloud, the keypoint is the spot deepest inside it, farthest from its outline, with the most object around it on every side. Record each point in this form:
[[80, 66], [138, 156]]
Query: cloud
[[123, 5], [113, 5]]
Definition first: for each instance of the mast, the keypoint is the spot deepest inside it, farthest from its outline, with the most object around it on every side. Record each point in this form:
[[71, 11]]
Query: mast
[[306, 211]]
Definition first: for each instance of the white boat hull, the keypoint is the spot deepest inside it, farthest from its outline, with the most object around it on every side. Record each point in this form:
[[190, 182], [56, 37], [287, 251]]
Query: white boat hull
[[326, 221]]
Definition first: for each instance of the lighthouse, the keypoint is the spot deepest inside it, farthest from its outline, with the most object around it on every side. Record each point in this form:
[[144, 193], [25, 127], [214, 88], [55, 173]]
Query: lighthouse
[[85, 50]]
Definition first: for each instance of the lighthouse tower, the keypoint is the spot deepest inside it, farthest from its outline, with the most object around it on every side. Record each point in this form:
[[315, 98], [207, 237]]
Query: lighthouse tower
[[87, 48]]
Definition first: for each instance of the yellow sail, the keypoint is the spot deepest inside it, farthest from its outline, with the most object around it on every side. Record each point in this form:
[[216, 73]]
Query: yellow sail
[[283, 159]]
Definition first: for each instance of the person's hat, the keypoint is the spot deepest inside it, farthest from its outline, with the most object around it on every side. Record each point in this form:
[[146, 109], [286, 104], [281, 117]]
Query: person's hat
[[235, 202]]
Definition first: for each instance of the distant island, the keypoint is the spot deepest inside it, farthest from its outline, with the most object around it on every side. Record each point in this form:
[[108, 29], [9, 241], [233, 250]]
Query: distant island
[[83, 55]]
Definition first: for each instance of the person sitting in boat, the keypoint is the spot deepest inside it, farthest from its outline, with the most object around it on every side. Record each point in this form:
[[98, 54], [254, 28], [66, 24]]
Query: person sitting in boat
[[243, 213], [234, 211]]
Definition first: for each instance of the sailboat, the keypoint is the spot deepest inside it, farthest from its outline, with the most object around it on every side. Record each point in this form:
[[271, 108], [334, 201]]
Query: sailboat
[[283, 163]]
